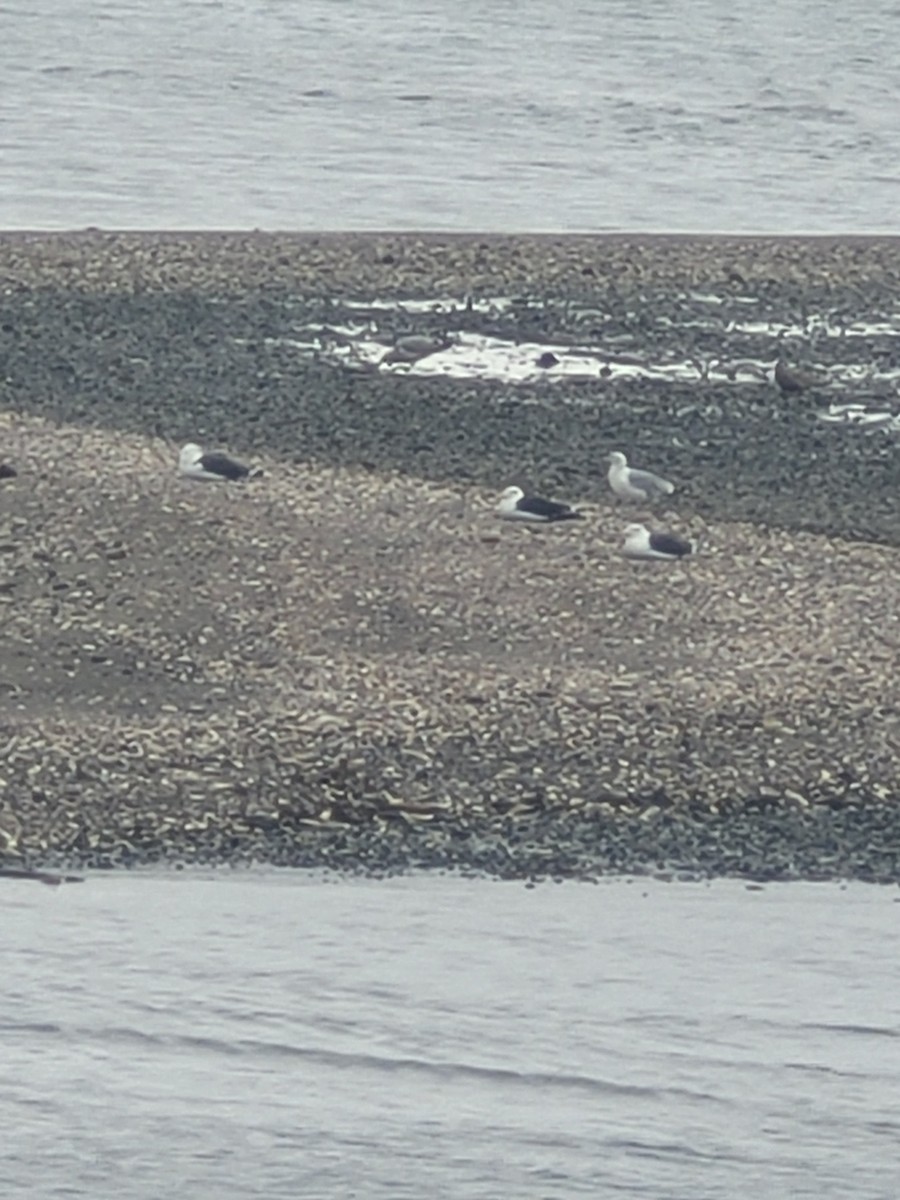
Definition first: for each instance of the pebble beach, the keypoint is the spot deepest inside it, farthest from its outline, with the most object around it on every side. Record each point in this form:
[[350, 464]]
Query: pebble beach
[[349, 663]]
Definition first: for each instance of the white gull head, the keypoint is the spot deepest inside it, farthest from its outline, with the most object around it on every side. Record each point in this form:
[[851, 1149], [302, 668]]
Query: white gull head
[[189, 457], [509, 498]]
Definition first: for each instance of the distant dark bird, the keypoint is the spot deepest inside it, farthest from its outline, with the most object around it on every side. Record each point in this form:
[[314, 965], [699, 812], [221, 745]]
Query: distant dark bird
[[630, 484], [641, 543], [546, 360], [7, 472], [791, 380], [532, 510], [213, 466]]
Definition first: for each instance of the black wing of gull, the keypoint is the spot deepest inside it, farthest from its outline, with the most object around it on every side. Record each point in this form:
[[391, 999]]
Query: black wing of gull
[[547, 510], [668, 543], [218, 463]]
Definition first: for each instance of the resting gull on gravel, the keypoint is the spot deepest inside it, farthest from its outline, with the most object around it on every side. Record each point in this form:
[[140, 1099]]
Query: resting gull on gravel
[[640, 542], [214, 466], [532, 510], [630, 484]]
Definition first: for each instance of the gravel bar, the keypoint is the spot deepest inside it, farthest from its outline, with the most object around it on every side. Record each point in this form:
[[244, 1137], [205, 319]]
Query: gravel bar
[[348, 663]]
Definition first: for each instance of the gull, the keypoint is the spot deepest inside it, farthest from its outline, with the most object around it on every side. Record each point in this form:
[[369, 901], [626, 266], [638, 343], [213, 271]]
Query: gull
[[630, 484], [514, 505], [641, 543], [214, 466]]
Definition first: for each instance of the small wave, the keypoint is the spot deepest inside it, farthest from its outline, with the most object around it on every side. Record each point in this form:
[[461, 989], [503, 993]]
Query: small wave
[[838, 1027], [30, 1027], [353, 1060], [450, 1071], [641, 1148]]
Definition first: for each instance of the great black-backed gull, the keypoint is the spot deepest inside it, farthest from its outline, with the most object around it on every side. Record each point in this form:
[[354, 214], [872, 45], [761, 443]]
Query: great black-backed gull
[[641, 543], [214, 466], [514, 505], [630, 484]]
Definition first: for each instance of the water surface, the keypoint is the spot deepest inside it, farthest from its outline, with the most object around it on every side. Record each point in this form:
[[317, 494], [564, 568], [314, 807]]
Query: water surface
[[275, 1035], [333, 114]]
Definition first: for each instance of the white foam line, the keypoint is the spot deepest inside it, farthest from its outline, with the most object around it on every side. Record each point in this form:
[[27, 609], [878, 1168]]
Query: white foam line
[[442, 304], [814, 325], [817, 323], [355, 345], [711, 298], [482, 356], [820, 323]]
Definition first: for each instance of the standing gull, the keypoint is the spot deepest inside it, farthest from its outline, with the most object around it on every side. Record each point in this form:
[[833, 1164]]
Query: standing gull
[[641, 543], [214, 466], [532, 510], [630, 484]]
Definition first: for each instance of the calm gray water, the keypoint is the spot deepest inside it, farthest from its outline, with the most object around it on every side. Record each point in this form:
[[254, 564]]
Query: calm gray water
[[275, 1036], [449, 114]]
